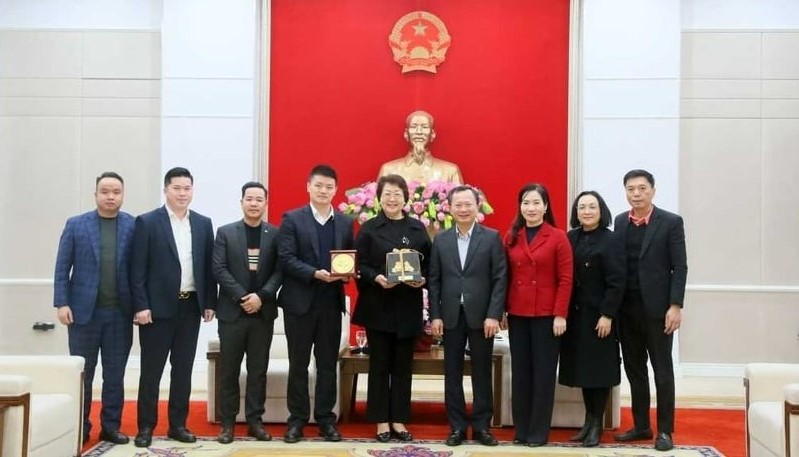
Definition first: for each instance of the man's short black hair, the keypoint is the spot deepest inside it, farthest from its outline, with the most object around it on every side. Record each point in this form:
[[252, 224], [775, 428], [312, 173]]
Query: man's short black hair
[[108, 174], [253, 184], [638, 173], [463, 188], [323, 170], [177, 172]]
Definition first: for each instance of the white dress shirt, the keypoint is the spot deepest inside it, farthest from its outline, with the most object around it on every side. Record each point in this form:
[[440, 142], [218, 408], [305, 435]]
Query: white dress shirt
[[181, 230]]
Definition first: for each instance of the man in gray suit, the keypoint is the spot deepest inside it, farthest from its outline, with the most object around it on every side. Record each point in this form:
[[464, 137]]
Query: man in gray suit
[[244, 264], [467, 288]]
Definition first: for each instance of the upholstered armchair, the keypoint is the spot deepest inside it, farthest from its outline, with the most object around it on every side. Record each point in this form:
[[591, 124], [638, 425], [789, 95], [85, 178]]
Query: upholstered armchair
[[276, 409], [41, 401], [772, 409]]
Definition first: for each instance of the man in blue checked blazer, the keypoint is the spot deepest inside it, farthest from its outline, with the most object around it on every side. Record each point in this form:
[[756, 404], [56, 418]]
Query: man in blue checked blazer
[[92, 295]]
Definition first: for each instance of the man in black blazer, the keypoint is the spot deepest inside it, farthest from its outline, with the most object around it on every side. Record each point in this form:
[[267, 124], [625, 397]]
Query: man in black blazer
[[468, 283], [173, 288], [651, 310], [245, 266], [312, 302]]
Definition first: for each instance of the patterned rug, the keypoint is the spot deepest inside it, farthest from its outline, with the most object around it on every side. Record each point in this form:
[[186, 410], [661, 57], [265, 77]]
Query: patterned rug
[[208, 447]]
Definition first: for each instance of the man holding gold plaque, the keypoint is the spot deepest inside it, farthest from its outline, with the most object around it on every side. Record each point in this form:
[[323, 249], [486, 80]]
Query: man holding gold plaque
[[392, 253], [314, 252]]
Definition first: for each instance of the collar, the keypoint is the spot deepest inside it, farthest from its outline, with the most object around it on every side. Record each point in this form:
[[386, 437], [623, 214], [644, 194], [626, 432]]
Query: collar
[[468, 233], [641, 220], [317, 214], [172, 214]]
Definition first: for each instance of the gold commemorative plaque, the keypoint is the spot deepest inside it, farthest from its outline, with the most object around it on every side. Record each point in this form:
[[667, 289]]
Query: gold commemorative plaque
[[403, 265], [342, 263]]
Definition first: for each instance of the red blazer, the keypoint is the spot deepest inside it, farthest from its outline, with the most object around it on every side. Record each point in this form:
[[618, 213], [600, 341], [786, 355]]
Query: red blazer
[[539, 273]]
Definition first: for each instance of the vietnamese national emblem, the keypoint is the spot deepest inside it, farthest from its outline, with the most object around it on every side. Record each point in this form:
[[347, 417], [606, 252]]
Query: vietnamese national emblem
[[419, 41]]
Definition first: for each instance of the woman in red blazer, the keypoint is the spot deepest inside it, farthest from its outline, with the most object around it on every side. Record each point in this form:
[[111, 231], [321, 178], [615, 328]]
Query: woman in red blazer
[[539, 288]]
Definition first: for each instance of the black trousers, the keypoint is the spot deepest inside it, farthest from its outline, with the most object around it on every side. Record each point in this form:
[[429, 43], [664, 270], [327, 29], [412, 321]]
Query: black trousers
[[389, 396], [110, 333], [174, 337], [320, 329], [641, 338], [250, 336], [534, 352], [482, 349]]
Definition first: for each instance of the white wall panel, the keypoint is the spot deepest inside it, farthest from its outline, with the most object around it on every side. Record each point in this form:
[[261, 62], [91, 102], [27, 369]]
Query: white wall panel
[[209, 38], [631, 39], [81, 14], [615, 146], [219, 154], [208, 97], [631, 98], [740, 14]]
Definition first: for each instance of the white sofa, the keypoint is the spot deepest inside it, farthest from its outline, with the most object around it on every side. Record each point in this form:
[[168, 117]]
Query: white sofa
[[42, 398], [569, 410], [276, 409], [772, 409]]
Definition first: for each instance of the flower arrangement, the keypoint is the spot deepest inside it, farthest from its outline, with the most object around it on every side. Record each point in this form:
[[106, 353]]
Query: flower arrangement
[[427, 202]]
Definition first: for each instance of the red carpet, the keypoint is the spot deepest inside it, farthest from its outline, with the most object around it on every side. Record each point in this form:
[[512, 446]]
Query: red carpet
[[722, 429]]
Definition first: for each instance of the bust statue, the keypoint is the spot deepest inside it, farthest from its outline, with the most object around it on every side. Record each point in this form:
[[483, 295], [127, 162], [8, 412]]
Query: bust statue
[[419, 164]]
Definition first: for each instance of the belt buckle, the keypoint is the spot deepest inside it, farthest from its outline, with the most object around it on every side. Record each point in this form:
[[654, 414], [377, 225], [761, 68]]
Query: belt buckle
[[183, 295]]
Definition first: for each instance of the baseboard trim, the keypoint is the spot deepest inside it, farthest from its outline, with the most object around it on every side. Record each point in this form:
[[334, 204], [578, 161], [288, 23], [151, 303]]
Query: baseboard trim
[[712, 370]]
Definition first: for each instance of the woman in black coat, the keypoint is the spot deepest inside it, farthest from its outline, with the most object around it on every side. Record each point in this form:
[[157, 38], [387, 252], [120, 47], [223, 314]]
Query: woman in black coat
[[589, 354], [391, 312]]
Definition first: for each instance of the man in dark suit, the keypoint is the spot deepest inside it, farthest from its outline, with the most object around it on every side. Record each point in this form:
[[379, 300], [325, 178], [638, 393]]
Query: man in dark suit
[[245, 266], [312, 301], [92, 295], [467, 286], [651, 310], [173, 288]]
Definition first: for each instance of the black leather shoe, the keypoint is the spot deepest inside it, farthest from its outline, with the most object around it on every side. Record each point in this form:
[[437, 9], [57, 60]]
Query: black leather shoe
[[663, 442], [329, 432], [383, 437], [225, 435], [404, 436], [115, 437], [519, 442], [634, 435], [258, 432], [581, 434], [536, 443], [293, 434], [181, 434], [144, 438], [456, 438], [594, 433], [484, 437]]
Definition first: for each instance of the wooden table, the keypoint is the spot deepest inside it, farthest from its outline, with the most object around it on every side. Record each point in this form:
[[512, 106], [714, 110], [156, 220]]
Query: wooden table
[[426, 363]]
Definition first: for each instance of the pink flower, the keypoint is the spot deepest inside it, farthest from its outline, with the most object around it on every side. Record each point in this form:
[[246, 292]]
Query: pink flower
[[445, 206], [425, 221], [415, 216], [436, 225], [342, 206], [418, 207], [480, 217], [370, 203], [440, 216], [363, 217], [427, 194], [357, 209]]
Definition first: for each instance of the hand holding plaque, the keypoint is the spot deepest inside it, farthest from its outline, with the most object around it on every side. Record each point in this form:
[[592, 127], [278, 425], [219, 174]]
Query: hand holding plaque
[[403, 265], [342, 263]]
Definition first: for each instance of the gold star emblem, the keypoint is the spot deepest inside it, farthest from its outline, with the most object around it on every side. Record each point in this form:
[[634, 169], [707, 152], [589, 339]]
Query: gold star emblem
[[419, 29]]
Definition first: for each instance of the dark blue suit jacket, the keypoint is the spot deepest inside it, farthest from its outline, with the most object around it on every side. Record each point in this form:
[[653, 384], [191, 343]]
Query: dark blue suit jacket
[[155, 267], [299, 257], [77, 267]]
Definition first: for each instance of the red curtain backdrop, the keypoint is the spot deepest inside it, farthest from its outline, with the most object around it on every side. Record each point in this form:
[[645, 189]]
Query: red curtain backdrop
[[499, 100]]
